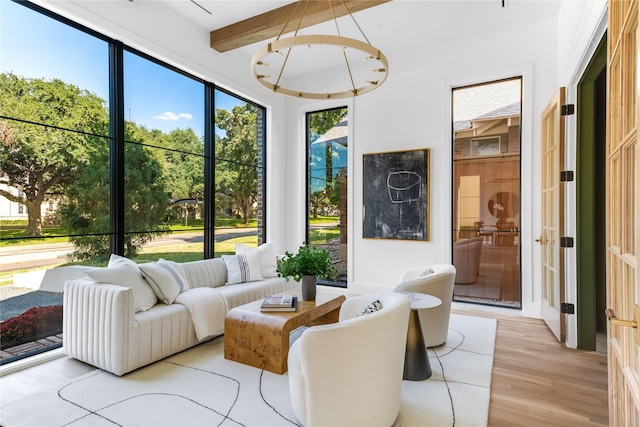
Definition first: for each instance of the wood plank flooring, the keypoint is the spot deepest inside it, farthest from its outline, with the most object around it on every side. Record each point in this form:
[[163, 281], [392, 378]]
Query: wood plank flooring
[[535, 381]]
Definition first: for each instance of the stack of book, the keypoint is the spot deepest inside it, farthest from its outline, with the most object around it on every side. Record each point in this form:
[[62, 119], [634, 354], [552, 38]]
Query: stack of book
[[279, 303]]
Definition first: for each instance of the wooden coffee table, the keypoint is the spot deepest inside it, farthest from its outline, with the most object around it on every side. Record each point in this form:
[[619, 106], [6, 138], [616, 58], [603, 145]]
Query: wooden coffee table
[[262, 339]]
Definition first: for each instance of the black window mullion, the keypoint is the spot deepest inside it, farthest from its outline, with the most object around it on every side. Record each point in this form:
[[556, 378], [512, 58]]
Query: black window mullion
[[209, 176], [116, 148]]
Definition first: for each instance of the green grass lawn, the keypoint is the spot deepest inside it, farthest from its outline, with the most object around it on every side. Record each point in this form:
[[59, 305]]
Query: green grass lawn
[[323, 235], [14, 233], [179, 253]]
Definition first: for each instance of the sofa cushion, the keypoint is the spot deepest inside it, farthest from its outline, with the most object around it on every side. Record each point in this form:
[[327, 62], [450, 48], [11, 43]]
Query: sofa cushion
[[253, 291], [128, 276], [268, 259], [163, 283], [242, 268], [177, 272], [205, 273]]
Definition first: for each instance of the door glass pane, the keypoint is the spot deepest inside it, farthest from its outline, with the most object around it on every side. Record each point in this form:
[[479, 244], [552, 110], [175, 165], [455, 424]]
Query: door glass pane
[[486, 193]]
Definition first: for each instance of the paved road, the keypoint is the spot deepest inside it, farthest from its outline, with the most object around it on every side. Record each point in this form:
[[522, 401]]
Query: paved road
[[40, 255]]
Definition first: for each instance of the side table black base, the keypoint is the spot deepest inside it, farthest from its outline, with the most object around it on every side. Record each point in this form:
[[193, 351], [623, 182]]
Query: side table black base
[[416, 360]]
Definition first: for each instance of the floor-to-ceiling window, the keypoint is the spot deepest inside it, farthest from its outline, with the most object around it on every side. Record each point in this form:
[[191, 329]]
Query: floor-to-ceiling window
[[54, 164], [239, 172], [163, 160], [105, 149], [327, 174], [486, 192]]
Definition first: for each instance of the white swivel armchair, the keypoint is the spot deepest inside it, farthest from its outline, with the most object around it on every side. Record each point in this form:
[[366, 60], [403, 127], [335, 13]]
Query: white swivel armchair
[[350, 373], [437, 280]]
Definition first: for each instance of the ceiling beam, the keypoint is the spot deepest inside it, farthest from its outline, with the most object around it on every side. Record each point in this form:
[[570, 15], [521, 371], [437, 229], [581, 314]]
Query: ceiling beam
[[269, 24]]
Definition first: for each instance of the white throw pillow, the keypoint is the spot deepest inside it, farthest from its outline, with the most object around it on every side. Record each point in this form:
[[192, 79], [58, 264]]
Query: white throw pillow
[[242, 268], [128, 276], [118, 260], [163, 283], [177, 272], [268, 259]]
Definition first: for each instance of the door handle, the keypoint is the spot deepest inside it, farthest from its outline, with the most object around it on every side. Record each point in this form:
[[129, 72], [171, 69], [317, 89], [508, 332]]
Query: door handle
[[611, 315], [541, 240]]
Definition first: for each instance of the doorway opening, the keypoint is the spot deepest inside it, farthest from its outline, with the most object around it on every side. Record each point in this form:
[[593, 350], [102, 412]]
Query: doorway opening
[[591, 158], [486, 192]]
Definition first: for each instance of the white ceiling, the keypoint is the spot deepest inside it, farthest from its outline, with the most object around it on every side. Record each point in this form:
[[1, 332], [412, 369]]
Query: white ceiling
[[391, 27]]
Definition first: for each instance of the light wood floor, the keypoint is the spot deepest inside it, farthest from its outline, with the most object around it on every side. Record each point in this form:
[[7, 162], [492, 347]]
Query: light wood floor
[[538, 382], [535, 380]]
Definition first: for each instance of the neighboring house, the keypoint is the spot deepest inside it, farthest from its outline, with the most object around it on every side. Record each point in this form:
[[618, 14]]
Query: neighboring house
[[17, 211]]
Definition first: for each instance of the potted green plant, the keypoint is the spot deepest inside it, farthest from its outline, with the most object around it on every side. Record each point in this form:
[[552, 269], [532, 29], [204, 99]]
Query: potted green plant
[[305, 266]]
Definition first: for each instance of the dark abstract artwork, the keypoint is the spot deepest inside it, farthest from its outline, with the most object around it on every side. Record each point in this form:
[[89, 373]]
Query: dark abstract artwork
[[396, 195]]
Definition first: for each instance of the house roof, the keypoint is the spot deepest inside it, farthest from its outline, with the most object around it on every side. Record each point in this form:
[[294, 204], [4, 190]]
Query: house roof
[[337, 134], [510, 110]]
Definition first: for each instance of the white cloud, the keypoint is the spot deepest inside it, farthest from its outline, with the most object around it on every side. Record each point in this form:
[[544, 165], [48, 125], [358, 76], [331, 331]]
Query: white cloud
[[171, 116]]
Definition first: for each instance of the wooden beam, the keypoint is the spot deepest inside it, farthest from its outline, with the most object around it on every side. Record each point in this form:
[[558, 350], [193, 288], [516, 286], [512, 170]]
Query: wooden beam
[[269, 24]]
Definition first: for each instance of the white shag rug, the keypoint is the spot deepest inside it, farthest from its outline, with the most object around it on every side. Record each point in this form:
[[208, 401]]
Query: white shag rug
[[199, 387]]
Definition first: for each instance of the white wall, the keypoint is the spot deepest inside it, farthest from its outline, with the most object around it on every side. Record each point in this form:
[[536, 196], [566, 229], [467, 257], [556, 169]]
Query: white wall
[[411, 110]]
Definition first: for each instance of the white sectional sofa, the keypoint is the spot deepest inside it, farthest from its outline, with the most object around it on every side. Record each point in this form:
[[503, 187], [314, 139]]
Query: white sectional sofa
[[115, 327]]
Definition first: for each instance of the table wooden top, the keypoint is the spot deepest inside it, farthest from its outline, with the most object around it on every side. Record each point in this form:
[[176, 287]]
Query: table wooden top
[[324, 303]]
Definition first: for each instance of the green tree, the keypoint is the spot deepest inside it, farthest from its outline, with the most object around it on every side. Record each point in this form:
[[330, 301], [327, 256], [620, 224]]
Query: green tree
[[86, 214], [322, 121], [237, 159], [37, 160], [319, 201], [184, 165]]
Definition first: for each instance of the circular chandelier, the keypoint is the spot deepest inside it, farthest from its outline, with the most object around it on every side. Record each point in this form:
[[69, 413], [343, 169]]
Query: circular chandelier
[[365, 67]]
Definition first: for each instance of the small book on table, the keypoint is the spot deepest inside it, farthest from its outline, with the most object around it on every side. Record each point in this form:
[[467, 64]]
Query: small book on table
[[279, 303]]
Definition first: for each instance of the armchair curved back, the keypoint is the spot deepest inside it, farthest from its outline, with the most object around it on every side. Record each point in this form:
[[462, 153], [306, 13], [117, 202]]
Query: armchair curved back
[[466, 257], [437, 280], [350, 373]]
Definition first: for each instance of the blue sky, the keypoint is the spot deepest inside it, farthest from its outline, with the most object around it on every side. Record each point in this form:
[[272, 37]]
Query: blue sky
[[35, 46]]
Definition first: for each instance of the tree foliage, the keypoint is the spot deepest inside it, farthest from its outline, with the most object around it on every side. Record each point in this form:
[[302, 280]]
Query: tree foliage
[[37, 160], [237, 160], [87, 212], [321, 121]]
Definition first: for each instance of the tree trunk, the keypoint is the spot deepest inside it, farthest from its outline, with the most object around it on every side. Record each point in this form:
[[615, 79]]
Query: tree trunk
[[34, 213]]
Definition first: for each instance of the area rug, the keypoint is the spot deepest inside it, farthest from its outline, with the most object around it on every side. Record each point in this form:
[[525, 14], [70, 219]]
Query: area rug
[[198, 387]]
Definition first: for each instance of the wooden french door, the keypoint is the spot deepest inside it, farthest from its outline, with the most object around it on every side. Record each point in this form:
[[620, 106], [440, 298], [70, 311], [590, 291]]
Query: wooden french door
[[623, 209], [552, 214]]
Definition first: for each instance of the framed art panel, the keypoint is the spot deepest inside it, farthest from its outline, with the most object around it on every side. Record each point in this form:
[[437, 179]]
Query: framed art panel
[[396, 195]]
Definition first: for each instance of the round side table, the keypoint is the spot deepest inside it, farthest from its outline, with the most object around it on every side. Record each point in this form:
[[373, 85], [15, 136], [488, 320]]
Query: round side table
[[416, 360]]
